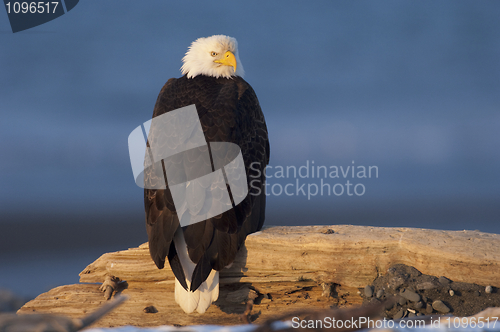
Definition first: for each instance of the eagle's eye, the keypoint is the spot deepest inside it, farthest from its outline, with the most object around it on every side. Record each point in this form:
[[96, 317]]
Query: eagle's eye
[[213, 53]]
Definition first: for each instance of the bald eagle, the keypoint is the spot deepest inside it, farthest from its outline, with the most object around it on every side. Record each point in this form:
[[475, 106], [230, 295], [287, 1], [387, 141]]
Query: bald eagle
[[229, 111]]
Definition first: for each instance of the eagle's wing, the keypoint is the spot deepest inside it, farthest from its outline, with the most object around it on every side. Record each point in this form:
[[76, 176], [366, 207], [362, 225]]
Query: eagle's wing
[[229, 111]]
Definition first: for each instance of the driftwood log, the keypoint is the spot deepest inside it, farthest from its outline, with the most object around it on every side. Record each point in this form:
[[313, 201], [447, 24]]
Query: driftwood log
[[283, 269], [51, 323]]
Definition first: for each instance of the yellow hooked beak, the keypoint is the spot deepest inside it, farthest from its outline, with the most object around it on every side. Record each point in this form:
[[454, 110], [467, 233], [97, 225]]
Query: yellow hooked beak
[[228, 59]]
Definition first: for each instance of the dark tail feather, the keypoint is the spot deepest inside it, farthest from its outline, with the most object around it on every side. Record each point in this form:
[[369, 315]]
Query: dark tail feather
[[201, 272], [176, 265]]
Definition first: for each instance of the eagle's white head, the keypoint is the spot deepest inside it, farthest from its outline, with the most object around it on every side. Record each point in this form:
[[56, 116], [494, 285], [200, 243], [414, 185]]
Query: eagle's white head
[[215, 56]]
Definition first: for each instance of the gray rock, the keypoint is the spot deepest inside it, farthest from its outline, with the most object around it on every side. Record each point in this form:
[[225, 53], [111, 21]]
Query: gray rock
[[388, 305], [444, 281], [427, 285], [410, 295], [465, 287], [419, 305], [428, 309], [380, 293], [395, 282], [488, 290], [402, 300], [368, 291], [438, 305], [399, 314], [476, 293], [9, 301], [150, 310]]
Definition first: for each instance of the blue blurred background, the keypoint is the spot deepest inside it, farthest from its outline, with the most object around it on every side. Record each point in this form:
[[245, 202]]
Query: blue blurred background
[[412, 87]]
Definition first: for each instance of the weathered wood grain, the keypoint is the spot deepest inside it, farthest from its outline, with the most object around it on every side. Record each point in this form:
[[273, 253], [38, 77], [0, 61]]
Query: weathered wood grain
[[294, 265]]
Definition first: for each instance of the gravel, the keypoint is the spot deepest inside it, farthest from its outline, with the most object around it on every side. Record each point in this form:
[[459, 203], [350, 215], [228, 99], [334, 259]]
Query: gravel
[[422, 294]]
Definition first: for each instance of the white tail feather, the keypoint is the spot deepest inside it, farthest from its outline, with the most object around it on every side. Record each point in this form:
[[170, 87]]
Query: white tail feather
[[208, 291]]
